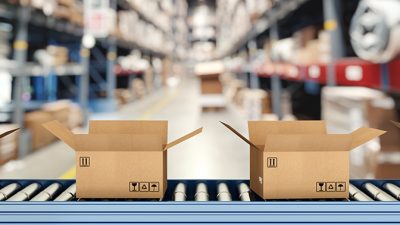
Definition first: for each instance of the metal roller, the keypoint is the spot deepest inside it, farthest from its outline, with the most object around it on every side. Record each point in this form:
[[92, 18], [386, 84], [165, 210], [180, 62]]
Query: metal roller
[[244, 192], [201, 193], [180, 193], [68, 194], [223, 192], [6, 191], [375, 30], [358, 195], [48, 193], [392, 188], [25, 193], [377, 193]]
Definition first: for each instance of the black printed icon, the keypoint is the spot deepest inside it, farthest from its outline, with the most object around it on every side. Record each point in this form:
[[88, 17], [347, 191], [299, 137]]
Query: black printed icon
[[144, 187], [341, 186], [321, 187], [154, 187], [272, 162], [331, 187], [84, 161], [134, 187]]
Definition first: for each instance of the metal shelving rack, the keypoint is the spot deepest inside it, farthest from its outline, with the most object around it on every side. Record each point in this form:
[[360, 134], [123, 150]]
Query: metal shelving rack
[[24, 16], [341, 71]]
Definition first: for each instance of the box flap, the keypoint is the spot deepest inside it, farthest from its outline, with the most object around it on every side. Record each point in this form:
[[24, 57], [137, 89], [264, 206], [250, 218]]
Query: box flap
[[307, 142], [60, 131], [118, 142], [362, 135], [397, 124], [241, 136], [183, 138], [156, 127], [8, 132], [258, 130]]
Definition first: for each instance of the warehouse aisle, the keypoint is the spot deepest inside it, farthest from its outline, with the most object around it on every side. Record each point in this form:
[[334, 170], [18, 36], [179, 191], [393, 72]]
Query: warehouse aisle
[[216, 153]]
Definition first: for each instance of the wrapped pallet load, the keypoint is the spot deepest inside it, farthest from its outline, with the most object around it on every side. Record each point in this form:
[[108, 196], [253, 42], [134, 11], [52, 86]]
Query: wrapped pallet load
[[375, 30]]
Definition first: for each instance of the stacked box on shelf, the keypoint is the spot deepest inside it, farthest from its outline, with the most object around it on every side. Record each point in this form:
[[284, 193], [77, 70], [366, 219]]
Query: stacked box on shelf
[[344, 108], [39, 136], [76, 16], [210, 85], [58, 53], [123, 96], [256, 102], [5, 34], [71, 10], [138, 88], [8, 144], [59, 110], [64, 111], [75, 117], [380, 114]]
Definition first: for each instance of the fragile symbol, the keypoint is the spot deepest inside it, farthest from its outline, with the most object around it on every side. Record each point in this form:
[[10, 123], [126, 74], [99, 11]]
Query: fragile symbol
[[134, 187], [272, 162], [154, 187], [320, 186], [84, 161]]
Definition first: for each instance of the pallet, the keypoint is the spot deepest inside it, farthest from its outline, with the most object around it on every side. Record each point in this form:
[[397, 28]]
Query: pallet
[[213, 108]]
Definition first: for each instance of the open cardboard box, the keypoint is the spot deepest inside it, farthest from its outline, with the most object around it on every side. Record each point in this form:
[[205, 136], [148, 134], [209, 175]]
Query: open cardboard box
[[8, 132], [120, 159], [299, 160]]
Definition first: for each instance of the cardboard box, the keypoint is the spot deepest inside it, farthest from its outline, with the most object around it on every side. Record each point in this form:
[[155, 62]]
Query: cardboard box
[[299, 160], [58, 110], [8, 143], [39, 136], [379, 114], [387, 171], [210, 84], [120, 159], [59, 53]]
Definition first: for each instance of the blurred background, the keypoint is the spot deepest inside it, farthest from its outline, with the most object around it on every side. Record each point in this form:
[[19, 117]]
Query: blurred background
[[194, 63]]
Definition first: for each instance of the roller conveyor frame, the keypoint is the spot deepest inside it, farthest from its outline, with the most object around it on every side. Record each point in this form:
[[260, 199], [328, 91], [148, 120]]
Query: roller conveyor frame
[[189, 211]]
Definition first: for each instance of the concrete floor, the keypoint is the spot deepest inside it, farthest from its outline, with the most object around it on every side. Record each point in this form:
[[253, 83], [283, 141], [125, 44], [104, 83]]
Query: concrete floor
[[215, 154]]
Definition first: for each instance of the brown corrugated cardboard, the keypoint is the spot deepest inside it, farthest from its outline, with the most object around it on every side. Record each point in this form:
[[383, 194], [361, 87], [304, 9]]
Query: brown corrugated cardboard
[[379, 116], [298, 159], [120, 159], [39, 136], [8, 143], [210, 84]]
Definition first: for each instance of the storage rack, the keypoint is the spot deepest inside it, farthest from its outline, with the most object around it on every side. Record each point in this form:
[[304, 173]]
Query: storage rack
[[342, 71], [69, 209], [89, 77]]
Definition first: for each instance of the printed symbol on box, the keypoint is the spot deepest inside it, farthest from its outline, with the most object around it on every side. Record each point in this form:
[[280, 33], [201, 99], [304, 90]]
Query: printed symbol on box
[[321, 187], [341, 186], [84, 161], [144, 187], [154, 186], [272, 162], [134, 186], [331, 187]]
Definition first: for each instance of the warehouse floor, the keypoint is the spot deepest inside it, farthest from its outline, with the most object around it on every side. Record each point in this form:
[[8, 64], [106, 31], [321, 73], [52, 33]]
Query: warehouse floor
[[214, 154]]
